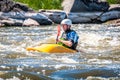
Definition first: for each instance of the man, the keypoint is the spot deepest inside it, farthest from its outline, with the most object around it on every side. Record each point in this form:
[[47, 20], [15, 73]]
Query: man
[[69, 37]]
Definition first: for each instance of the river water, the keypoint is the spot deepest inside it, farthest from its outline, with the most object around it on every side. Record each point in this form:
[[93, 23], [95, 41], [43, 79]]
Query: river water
[[98, 59]]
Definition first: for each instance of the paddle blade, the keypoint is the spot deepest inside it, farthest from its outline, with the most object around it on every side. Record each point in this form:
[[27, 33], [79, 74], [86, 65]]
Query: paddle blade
[[58, 30]]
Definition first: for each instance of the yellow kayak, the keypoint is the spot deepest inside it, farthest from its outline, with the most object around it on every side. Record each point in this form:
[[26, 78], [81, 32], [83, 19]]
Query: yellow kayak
[[51, 48]]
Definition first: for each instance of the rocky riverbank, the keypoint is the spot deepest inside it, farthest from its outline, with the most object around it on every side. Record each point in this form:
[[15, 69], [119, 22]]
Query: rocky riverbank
[[17, 14]]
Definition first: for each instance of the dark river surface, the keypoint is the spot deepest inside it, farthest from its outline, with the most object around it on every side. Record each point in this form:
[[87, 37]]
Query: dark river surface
[[99, 58]]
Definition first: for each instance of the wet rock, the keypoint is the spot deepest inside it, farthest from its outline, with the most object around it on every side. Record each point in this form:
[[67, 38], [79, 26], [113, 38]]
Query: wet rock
[[3, 18], [84, 5], [84, 17], [12, 22], [55, 15], [40, 18], [17, 22], [30, 22], [7, 22], [14, 15], [110, 15]]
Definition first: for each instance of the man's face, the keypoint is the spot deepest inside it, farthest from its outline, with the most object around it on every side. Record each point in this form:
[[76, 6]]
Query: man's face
[[65, 27]]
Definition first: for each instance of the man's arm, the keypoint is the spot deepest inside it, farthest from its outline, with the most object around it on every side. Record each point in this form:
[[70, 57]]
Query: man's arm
[[66, 42]]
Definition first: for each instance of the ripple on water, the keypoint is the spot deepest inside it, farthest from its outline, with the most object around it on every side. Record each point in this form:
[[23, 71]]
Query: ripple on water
[[22, 75], [85, 73], [100, 45]]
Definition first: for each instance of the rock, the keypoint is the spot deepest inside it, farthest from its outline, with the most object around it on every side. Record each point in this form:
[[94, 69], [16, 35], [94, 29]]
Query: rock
[[3, 18], [84, 17], [114, 7], [17, 22], [7, 22], [98, 6], [115, 22], [30, 22], [118, 23], [74, 6], [110, 15], [55, 15], [1, 25], [14, 15], [12, 22], [6, 5], [21, 7], [40, 18], [84, 5], [9, 5]]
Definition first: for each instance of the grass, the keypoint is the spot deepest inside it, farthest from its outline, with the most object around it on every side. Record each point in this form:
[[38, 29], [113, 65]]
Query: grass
[[51, 4], [114, 1], [42, 4]]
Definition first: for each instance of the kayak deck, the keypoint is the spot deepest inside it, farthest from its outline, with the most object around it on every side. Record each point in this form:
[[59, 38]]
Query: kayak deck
[[51, 48]]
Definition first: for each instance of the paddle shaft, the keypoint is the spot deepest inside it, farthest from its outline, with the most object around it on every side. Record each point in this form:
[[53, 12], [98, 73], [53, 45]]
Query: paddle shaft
[[58, 33]]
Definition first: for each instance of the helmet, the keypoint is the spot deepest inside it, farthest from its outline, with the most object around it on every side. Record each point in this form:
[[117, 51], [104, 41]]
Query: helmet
[[66, 21]]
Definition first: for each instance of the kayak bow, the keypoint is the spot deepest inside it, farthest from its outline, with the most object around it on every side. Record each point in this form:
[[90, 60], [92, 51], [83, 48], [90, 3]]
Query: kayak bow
[[51, 48]]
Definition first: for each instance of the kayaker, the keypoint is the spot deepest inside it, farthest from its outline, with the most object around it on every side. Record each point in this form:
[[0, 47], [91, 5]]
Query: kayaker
[[69, 37]]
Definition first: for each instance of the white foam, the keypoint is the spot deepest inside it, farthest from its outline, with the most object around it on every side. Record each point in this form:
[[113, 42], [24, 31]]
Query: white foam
[[4, 67], [67, 60], [98, 61], [90, 39], [19, 68], [114, 42], [14, 78]]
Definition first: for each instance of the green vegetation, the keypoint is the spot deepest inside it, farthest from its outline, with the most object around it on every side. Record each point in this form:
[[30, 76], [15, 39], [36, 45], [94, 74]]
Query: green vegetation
[[51, 4], [42, 4], [114, 1]]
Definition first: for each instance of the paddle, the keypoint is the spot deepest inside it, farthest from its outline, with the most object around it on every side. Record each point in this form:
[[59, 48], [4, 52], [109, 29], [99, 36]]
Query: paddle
[[58, 33]]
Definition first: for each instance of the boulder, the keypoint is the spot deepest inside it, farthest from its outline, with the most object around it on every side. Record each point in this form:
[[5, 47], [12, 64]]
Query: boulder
[[40, 18], [74, 6], [21, 7], [10, 5], [84, 5], [110, 15], [98, 6], [115, 22], [17, 22], [12, 22], [30, 22], [114, 7], [6, 5], [84, 17], [55, 15], [8, 22], [1, 25]]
